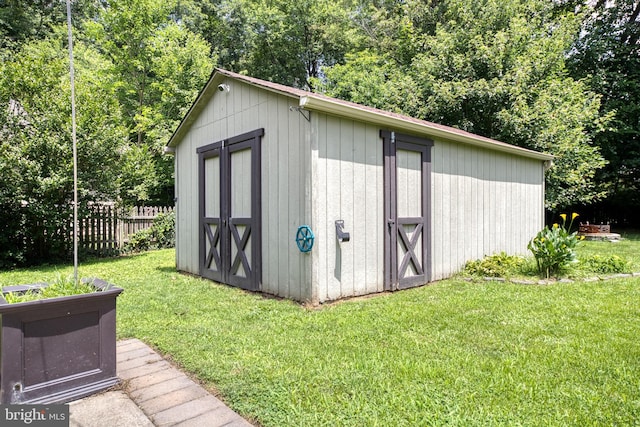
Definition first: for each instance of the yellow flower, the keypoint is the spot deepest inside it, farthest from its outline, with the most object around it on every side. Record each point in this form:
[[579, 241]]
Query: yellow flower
[[555, 225], [574, 216], [563, 216]]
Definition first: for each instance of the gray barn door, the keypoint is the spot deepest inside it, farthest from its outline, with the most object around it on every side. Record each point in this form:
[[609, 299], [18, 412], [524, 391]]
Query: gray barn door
[[407, 183], [230, 211]]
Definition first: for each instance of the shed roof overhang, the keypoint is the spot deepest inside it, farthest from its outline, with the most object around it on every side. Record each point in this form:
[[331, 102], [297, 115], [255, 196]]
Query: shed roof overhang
[[416, 126], [317, 102]]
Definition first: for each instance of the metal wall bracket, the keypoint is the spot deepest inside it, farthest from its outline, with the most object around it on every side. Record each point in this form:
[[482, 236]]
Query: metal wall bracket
[[342, 235], [306, 114]]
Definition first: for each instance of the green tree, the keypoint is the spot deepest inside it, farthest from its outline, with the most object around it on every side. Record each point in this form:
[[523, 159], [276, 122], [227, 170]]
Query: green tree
[[283, 41], [159, 66], [23, 20], [36, 150], [606, 55], [496, 68]]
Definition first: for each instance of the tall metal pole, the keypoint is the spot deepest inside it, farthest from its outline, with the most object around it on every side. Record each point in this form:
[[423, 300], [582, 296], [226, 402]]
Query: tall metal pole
[[75, 150]]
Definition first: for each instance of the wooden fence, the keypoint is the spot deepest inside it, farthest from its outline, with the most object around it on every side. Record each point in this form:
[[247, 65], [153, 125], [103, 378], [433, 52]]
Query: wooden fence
[[105, 228]]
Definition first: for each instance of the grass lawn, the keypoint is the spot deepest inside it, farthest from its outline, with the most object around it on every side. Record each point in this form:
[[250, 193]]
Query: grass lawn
[[451, 353]]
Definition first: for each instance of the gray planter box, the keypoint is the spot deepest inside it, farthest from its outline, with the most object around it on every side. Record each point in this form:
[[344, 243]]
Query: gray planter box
[[59, 349]]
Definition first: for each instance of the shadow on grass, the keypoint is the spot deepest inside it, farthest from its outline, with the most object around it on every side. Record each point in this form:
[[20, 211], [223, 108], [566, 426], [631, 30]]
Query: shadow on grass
[[84, 262]]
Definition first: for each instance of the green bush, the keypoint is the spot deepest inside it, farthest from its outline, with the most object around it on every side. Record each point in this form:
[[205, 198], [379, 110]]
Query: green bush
[[605, 264], [497, 265], [162, 234], [164, 230], [554, 248], [139, 241]]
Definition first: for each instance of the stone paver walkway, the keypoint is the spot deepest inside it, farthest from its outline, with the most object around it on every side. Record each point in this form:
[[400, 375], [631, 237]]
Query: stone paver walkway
[[165, 394], [155, 394]]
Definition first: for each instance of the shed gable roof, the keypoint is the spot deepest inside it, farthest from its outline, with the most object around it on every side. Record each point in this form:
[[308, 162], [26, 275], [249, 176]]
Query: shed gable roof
[[337, 107]]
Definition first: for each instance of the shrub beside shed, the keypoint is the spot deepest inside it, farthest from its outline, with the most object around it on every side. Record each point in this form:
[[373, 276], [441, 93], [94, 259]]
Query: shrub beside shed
[[389, 202]]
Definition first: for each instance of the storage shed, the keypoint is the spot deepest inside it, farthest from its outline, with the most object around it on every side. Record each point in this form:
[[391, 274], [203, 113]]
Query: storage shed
[[312, 198]]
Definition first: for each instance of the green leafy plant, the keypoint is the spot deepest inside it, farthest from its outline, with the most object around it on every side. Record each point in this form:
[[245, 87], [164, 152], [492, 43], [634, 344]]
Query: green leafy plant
[[605, 264], [164, 230], [554, 248], [61, 287], [496, 265], [162, 234], [139, 242]]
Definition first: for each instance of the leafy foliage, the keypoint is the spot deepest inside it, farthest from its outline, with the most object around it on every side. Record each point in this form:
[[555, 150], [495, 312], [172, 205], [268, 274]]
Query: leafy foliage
[[554, 248], [162, 234], [284, 41], [138, 68], [25, 20], [605, 264], [606, 56], [36, 150], [496, 265], [158, 67]]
